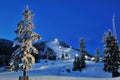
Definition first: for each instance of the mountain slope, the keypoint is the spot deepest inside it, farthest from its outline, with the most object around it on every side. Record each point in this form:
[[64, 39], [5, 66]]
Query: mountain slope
[[6, 50], [6, 46], [59, 50], [54, 49]]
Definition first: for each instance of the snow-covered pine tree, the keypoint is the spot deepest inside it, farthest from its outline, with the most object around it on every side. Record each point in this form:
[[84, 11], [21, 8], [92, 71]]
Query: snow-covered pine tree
[[24, 39], [82, 53], [79, 61], [76, 63], [97, 58], [111, 54]]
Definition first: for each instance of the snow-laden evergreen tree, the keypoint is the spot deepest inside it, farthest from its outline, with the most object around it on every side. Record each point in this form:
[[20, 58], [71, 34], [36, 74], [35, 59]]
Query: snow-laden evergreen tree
[[97, 58], [25, 37], [79, 62], [82, 53], [76, 63], [111, 54]]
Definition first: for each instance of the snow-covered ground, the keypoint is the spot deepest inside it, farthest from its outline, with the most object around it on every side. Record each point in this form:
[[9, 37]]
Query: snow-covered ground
[[54, 45], [56, 70]]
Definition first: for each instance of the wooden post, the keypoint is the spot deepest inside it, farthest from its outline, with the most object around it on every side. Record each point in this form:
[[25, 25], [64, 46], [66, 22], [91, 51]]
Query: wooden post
[[23, 78], [47, 58], [24, 73]]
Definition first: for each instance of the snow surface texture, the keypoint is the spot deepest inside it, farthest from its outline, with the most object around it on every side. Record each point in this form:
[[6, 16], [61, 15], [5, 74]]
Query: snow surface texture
[[57, 71], [54, 45]]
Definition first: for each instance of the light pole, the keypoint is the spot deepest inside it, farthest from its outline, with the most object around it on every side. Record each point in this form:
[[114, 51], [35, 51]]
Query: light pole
[[47, 57]]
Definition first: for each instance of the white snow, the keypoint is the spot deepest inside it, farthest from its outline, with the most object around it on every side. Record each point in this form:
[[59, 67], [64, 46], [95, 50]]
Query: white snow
[[54, 45], [57, 71]]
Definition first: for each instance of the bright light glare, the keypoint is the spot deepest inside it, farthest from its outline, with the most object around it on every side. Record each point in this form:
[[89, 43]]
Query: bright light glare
[[76, 55], [56, 40]]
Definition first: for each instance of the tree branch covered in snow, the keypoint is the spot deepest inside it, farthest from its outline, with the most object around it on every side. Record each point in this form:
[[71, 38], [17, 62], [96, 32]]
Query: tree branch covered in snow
[[25, 37]]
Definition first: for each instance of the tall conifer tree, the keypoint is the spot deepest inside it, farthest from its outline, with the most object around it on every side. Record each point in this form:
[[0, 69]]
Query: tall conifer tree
[[25, 37], [111, 54]]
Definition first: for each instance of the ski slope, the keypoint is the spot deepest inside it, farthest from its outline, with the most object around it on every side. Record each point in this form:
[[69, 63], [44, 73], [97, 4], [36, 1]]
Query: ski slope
[[54, 45], [57, 71]]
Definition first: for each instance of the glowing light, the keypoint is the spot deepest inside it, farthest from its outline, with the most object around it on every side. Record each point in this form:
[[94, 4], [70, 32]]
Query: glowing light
[[76, 55], [56, 40], [92, 58], [86, 56]]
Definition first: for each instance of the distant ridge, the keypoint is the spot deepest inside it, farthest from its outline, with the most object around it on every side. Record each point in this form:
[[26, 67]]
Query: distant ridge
[[55, 49]]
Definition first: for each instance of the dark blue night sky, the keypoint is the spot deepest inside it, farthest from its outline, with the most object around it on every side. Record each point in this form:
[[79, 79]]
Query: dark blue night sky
[[67, 20]]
